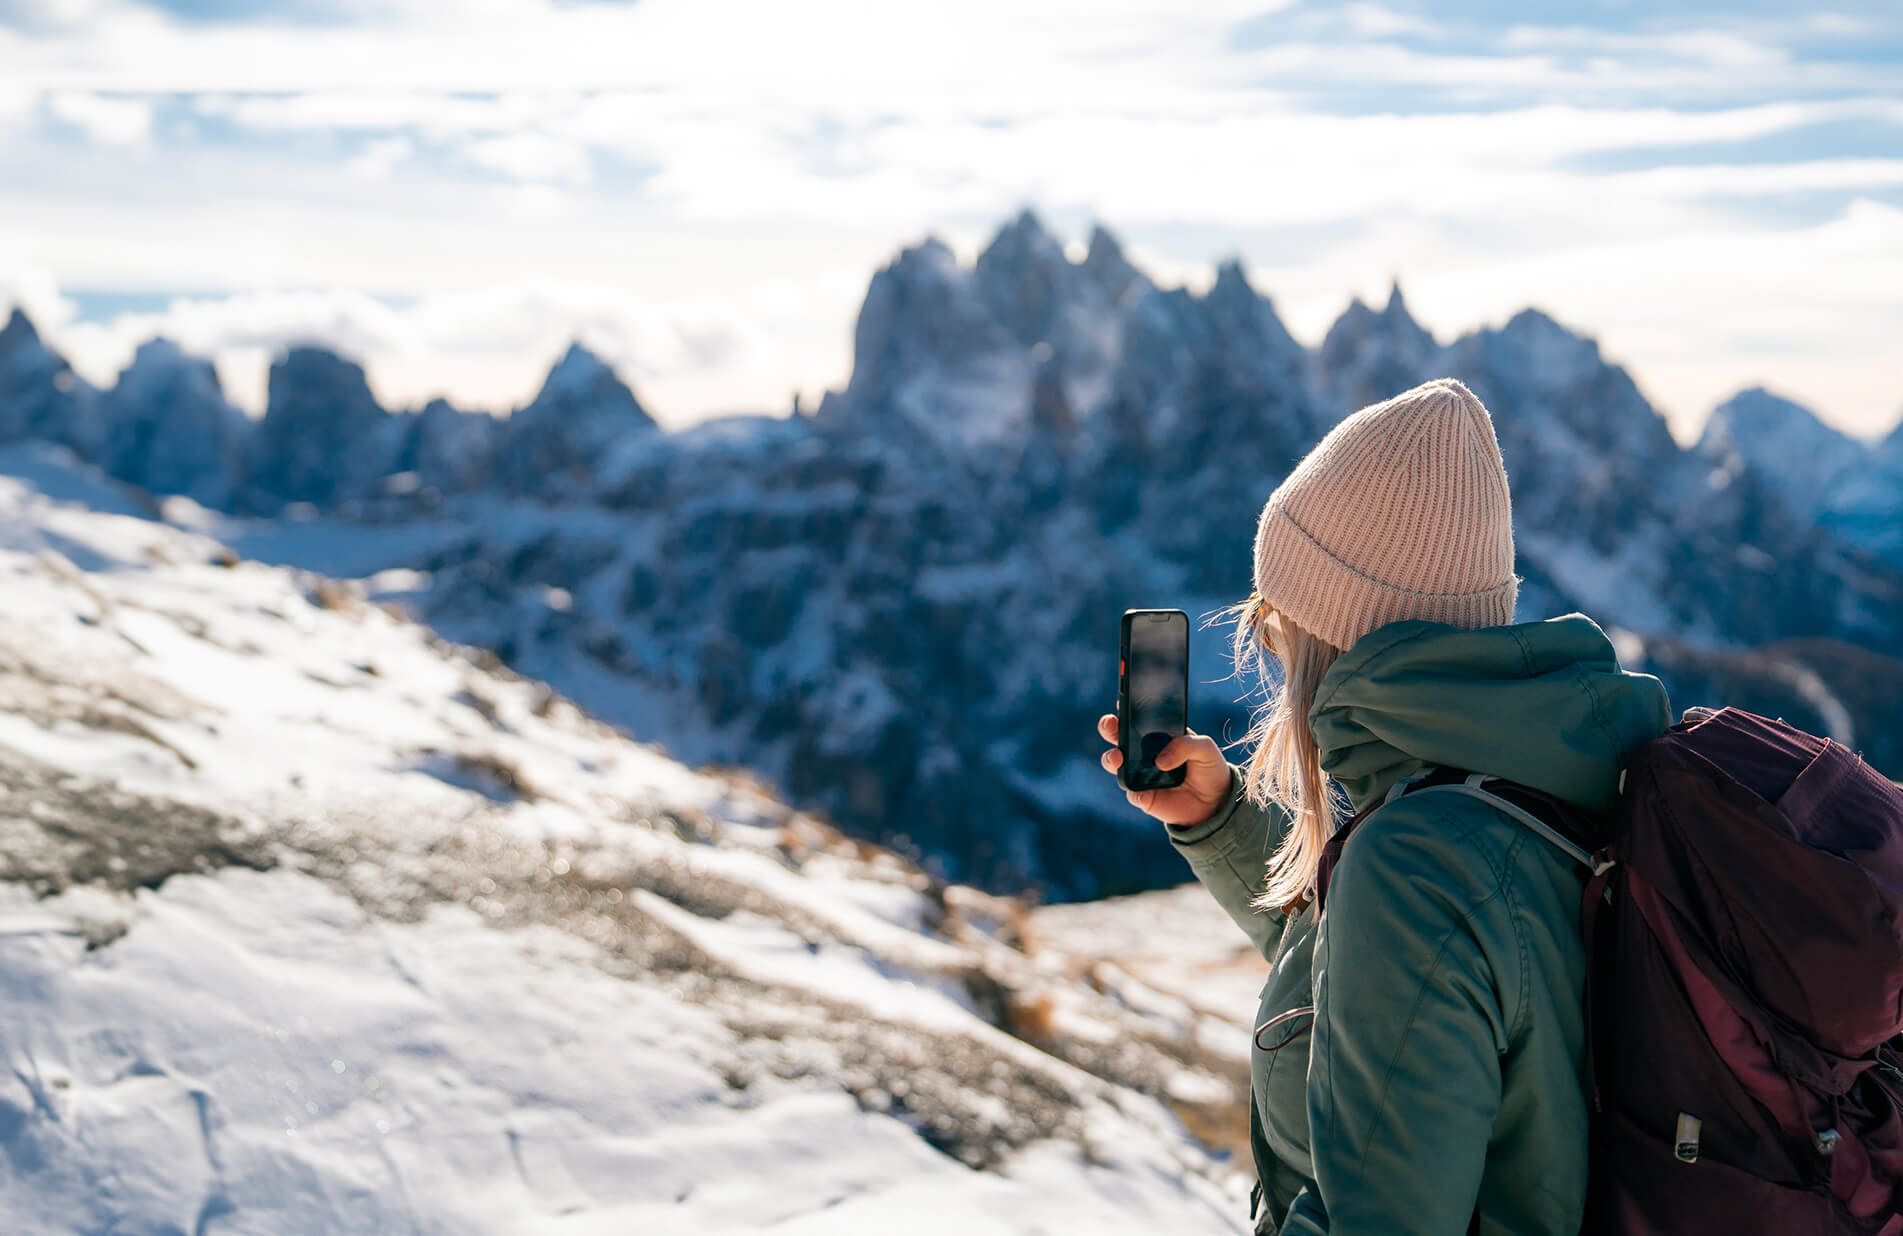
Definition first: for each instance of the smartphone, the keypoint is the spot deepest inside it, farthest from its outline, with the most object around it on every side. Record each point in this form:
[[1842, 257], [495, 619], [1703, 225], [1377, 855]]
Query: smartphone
[[1152, 694]]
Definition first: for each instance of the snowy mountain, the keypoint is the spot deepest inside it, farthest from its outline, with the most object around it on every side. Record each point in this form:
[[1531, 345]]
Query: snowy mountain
[[1850, 487], [902, 609], [171, 429], [41, 396], [1805, 458], [313, 922], [1866, 506]]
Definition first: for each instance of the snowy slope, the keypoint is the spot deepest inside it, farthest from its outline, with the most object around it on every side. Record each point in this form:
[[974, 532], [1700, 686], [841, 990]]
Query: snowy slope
[[312, 922]]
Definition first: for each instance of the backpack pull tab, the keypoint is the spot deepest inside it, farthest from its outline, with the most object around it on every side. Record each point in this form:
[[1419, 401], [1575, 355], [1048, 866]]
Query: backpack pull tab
[[1827, 1140], [1686, 1141]]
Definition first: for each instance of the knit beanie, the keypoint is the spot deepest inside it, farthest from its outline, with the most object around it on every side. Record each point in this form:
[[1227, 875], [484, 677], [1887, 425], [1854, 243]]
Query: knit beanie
[[1400, 512]]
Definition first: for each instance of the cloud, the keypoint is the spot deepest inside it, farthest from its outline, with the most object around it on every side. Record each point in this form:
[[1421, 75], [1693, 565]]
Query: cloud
[[380, 158], [531, 156], [485, 348], [106, 118], [707, 187]]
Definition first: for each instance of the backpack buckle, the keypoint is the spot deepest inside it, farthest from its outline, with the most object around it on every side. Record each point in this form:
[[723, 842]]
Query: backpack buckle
[[1685, 1140]]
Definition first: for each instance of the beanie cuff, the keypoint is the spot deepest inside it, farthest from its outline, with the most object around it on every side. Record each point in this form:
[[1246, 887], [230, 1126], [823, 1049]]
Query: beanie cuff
[[1297, 576]]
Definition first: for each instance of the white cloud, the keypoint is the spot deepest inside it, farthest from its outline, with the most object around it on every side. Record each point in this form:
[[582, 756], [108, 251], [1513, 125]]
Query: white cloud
[[381, 158], [106, 118], [786, 151], [485, 348], [531, 156]]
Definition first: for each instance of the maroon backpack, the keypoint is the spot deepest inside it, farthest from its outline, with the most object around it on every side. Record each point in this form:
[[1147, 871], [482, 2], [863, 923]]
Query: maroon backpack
[[1743, 919]]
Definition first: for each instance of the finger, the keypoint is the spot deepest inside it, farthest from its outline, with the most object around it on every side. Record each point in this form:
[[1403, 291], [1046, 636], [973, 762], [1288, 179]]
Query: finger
[[1107, 726], [1179, 751], [1140, 799], [1112, 759]]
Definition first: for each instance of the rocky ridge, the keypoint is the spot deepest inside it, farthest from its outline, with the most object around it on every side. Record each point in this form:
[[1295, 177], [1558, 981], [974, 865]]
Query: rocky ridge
[[902, 608]]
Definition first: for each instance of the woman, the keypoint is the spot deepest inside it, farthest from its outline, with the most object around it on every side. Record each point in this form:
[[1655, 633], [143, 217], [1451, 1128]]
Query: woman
[[1421, 1047]]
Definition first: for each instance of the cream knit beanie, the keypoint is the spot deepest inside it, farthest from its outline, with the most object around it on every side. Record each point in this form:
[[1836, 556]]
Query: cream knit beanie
[[1400, 512]]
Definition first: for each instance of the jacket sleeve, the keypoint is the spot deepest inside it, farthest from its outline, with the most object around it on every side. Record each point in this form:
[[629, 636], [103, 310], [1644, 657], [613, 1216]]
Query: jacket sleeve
[[1405, 1067], [1229, 853]]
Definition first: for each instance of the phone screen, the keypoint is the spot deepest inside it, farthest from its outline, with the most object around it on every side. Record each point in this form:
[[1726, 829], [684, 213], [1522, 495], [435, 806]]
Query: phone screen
[[1156, 688]]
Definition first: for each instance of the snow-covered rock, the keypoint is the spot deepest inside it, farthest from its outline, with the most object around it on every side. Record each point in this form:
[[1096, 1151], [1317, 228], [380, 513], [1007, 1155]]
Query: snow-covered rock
[[902, 609], [171, 429], [1806, 459], [450, 451], [312, 922], [931, 360], [40, 395], [324, 438], [1866, 506], [1368, 356], [551, 448]]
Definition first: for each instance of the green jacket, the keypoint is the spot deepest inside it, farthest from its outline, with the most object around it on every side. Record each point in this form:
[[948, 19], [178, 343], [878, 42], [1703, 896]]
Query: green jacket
[[1444, 1069]]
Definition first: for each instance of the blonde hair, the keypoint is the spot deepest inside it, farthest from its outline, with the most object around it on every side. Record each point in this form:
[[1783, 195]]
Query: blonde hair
[[1284, 767]]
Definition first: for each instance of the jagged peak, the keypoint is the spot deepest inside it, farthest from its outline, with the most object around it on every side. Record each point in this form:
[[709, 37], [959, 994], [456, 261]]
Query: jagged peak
[[1025, 231], [18, 330], [1397, 304], [1756, 411], [1105, 263], [581, 374], [1357, 314], [160, 354], [315, 353], [1022, 250], [158, 350], [1104, 247], [578, 369], [1232, 280], [929, 261], [160, 361], [932, 252], [1531, 319]]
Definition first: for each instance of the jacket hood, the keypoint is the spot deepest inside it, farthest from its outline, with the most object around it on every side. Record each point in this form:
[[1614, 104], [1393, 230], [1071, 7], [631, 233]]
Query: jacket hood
[[1541, 703]]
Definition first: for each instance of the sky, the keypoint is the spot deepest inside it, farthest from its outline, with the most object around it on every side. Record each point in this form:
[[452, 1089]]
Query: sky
[[700, 190]]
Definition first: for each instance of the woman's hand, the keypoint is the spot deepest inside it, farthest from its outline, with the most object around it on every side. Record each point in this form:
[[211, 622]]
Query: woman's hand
[[1205, 779]]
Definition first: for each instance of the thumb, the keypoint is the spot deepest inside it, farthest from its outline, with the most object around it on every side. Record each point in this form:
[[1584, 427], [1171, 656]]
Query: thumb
[[1181, 750]]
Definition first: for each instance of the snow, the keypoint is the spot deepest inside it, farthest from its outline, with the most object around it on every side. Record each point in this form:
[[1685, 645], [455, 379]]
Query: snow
[[314, 922]]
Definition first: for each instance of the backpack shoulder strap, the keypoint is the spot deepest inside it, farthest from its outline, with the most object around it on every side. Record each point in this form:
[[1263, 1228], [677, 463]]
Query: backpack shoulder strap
[[1473, 786], [1431, 775]]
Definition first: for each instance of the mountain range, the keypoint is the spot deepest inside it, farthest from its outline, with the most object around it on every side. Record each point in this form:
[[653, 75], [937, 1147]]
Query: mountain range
[[902, 608]]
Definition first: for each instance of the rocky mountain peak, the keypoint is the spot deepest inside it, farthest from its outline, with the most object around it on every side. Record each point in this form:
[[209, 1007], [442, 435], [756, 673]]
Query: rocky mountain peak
[[1035, 291], [160, 360], [1024, 241], [1557, 356], [23, 357], [41, 396], [1367, 356], [584, 410], [1106, 264], [922, 314], [1245, 317], [581, 376], [1232, 283], [18, 332], [1785, 441], [322, 436], [170, 428]]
